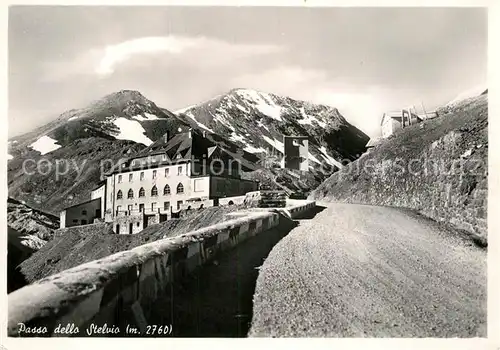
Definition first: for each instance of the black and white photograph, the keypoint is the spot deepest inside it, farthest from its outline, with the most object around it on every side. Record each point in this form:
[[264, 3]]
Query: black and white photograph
[[247, 172]]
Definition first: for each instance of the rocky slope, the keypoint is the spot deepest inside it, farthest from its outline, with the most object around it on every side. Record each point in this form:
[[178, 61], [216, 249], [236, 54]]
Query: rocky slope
[[31, 222], [439, 168], [257, 121]]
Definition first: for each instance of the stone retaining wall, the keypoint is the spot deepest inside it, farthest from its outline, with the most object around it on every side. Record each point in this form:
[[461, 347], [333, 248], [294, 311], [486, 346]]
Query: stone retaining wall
[[100, 291]]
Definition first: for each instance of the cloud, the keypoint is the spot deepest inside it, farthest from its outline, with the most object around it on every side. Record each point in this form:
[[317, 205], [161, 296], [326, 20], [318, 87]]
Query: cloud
[[119, 53], [200, 51]]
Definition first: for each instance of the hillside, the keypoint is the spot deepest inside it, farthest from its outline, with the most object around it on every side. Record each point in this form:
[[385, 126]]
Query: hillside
[[440, 169], [80, 244]]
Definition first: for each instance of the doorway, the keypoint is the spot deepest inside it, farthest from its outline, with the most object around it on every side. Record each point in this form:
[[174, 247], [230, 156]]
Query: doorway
[[130, 228]]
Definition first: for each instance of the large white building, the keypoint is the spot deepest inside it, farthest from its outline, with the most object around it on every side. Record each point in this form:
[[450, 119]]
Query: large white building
[[185, 172]]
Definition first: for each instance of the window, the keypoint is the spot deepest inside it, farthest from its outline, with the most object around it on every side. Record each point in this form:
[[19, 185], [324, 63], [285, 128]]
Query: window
[[130, 194], [84, 222], [179, 170], [166, 190], [164, 157], [154, 174], [118, 208], [84, 212], [142, 175], [142, 192], [179, 203], [153, 206], [166, 206], [180, 188], [130, 177], [119, 179], [141, 207], [129, 207], [167, 170], [154, 191], [119, 194], [75, 221]]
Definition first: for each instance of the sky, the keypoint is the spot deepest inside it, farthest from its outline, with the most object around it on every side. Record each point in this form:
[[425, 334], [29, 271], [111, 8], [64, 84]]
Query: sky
[[364, 61]]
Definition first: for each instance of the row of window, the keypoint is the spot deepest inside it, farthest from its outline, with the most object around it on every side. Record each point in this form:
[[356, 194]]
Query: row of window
[[166, 206], [154, 191], [141, 175]]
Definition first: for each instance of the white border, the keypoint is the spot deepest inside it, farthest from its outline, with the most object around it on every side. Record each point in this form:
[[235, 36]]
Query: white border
[[493, 340]]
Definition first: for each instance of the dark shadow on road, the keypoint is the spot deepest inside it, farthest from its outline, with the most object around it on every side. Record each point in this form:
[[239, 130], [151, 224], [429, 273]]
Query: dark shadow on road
[[310, 214], [217, 301]]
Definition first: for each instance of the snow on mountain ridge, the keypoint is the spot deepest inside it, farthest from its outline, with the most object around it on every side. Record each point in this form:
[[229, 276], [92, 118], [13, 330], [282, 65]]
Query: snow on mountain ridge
[[267, 117]]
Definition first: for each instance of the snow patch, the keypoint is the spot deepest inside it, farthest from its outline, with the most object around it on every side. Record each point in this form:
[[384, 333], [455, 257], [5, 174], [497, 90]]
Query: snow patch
[[131, 130], [263, 103], [236, 138], [252, 149], [261, 125], [275, 143], [310, 156], [190, 115], [45, 144], [241, 108], [330, 160], [309, 119], [148, 116]]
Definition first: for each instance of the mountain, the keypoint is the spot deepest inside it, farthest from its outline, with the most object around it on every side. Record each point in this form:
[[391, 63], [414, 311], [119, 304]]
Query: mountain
[[64, 157], [123, 115], [77, 143], [256, 121]]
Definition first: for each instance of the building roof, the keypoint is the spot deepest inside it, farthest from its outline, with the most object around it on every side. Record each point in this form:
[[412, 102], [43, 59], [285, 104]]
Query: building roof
[[192, 145]]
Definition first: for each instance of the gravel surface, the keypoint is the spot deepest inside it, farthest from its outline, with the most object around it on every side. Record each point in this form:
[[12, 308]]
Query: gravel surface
[[367, 271]]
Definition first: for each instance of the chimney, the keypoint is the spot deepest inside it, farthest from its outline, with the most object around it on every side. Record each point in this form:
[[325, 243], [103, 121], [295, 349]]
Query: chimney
[[165, 137], [204, 134], [189, 133]]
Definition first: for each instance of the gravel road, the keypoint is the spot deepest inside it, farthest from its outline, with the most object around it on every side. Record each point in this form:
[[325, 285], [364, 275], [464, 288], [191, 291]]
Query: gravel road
[[367, 271]]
